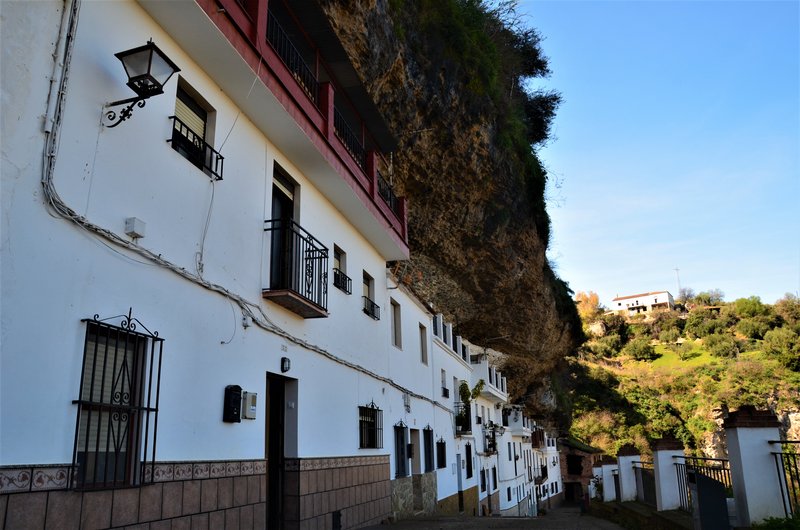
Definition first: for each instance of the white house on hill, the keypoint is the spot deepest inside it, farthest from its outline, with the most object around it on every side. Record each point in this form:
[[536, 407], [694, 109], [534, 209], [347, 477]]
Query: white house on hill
[[642, 303]]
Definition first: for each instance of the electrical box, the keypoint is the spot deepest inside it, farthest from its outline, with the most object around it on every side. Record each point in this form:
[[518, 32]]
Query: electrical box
[[249, 401], [232, 406], [134, 227]]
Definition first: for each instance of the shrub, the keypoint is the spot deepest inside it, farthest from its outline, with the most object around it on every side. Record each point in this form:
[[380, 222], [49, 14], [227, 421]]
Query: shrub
[[784, 344], [640, 349], [753, 328], [608, 346], [670, 335], [721, 345]]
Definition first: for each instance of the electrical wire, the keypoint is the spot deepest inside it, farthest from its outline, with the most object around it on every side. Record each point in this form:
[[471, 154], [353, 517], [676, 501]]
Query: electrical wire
[[251, 310]]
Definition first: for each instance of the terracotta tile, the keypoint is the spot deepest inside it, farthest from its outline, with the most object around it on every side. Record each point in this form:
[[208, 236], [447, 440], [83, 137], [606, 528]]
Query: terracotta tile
[[200, 521], [63, 510], [150, 502], [329, 479], [191, 497], [232, 519], [182, 523], [172, 503], [161, 525], [125, 509], [225, 493], [245, 518], [3, 506], [208, 495], [253, 487], [26, 511], [239, 491], [260, 516], [304, 479], [262, 483], [291, 483], [216, 520], [96, 510]]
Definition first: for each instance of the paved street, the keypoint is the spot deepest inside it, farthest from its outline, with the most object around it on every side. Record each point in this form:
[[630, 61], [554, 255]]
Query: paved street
[[565, 518]]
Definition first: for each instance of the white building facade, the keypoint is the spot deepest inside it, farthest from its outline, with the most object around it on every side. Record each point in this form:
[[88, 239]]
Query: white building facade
[[220, 342], [644, 303]]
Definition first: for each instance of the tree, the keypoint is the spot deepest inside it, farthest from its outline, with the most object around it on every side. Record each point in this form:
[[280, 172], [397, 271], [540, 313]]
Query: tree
[[686, 294], [721, 345], [712, 297], [788, 308], [753, 328], [784, 344], [640, 349], [750, 307], [589, 307]]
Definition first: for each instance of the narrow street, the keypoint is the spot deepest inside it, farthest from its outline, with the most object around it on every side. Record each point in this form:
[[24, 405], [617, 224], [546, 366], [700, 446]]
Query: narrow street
[[564, 518]]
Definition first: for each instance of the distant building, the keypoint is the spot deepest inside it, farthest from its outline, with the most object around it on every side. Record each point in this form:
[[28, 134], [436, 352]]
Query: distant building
[[642, 303]]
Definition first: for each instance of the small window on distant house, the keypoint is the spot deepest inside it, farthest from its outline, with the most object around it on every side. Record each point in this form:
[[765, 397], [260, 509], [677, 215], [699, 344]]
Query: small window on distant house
[[397, 330], [508, 493], [483, 480], [468, 458], [400, 450], [494, 478], [340, 279], [427, 439], [192, 132]]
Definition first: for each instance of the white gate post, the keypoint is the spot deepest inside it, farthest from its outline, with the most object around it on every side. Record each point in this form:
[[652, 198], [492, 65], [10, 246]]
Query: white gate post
[[608, 465], [667, 493], [626, 456], [756, 485]]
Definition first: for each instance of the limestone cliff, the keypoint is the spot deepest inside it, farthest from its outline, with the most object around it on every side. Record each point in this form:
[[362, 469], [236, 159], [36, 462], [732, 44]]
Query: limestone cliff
[[477, 222]]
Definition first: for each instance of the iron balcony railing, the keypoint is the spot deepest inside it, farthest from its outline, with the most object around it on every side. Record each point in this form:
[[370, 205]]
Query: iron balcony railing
[[342, 281], [292, 58], [387, 194], [350, 140], [787, 464], [299, 262], [371, 308], [195, 149], [463, 418]]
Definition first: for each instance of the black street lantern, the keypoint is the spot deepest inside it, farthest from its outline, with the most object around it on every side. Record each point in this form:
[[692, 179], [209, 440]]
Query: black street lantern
[[148, 70]]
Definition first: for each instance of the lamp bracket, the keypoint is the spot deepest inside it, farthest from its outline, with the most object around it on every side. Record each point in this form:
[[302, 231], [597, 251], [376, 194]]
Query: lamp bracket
[[125, 113]]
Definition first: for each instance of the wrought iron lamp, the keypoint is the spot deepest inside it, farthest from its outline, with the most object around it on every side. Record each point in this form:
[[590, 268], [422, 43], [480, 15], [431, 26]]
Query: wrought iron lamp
[[148, 70]]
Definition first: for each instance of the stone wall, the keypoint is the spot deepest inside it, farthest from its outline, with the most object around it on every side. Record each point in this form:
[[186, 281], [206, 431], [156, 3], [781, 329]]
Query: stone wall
[[490, 504], [354, 490], [403, 497], [224, 495]]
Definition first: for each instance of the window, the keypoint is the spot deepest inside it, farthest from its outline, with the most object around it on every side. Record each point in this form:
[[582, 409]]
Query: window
[[437, 326], [115, 427], [468, 448], [400, 448], [423, 344], [370, 427], [445, 390], [397, 332], [368, 291], [494, 478], [441, 454], [574, 464], [427, 441], [341, 280], [483, 480], [509, 451], [191, 132], [508, 493]]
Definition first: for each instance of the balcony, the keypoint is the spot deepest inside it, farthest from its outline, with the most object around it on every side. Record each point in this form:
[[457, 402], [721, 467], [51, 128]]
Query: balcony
[[195, 149], [292, 58], [298, 269], [463, 419], [387, 194], [494, 388], [342, 281], [303, 78], [371, 309]]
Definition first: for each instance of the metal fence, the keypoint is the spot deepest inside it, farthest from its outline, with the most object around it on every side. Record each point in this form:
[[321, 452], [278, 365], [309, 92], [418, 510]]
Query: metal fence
[[645, 482], [714, 468], [787, 464]]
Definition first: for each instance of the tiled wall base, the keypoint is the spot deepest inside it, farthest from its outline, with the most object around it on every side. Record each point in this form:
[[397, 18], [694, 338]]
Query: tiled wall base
[[490, 504], [354, 490], [522, 509], [185, 495]]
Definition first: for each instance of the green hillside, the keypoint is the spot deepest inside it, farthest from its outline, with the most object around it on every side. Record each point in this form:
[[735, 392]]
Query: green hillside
[[677, 372]]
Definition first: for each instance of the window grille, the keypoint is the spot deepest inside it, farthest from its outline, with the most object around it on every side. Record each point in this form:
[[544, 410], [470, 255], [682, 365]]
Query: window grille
[[400, 448], [427, 440], [117, 416], [441, 454], [370, 427]]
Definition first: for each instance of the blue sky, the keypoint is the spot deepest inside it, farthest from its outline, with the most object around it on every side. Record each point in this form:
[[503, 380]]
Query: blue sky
[[677, 145]]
